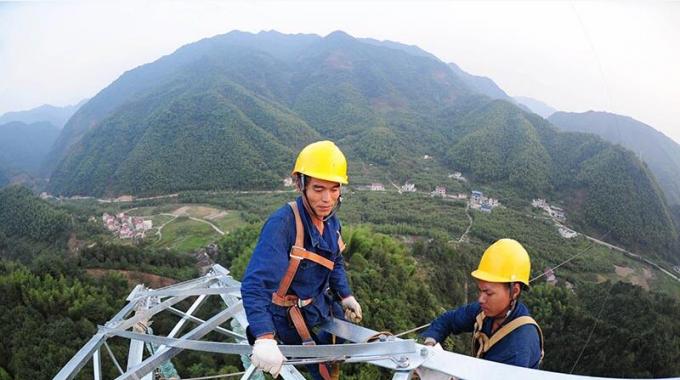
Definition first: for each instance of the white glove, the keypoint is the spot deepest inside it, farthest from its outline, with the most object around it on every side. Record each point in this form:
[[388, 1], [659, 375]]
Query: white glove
[[267, 356], [352, 309]]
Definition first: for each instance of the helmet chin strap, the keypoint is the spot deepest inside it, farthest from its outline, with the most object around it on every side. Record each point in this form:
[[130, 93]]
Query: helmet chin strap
[[513, 301], [308, 206]]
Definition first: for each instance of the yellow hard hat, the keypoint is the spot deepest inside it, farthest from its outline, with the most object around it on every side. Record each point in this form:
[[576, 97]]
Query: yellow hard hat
[[322, 160], [504, 261]]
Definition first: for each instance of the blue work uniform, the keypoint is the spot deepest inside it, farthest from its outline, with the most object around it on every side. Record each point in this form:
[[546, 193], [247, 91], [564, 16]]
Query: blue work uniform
[[521, 347], [268, 266]]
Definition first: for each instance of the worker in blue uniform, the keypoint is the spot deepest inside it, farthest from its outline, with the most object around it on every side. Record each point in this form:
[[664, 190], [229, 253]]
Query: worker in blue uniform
[[296, 274], [503, 331]]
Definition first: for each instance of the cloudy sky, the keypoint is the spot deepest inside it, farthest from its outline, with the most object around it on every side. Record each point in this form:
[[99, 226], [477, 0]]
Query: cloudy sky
[[614, 56]]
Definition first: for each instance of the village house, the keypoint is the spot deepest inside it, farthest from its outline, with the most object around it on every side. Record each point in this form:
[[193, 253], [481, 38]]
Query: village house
[[288, 182], [439, 191], [125, 226], [557, 213], [377, 187], [550, 277], [408, 188], [554, 211], [566, 232], [479, 202]]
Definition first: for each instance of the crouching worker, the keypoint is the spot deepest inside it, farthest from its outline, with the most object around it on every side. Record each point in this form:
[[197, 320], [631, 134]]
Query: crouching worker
[[297, 267], [502, 329]]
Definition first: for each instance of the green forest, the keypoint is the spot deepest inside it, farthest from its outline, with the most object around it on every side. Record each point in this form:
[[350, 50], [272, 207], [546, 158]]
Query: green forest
[[404, 263]]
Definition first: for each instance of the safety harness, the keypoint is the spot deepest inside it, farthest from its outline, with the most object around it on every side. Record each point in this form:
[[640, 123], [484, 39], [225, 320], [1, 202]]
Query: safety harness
[[481, 343], [292, 302]]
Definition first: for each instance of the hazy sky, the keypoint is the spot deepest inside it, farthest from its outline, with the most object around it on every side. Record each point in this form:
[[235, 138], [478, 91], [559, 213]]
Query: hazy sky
[[621, 57]]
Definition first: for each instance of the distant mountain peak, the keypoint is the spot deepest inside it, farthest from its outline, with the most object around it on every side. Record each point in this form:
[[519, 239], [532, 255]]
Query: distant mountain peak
[[536, 106], [339, 35]]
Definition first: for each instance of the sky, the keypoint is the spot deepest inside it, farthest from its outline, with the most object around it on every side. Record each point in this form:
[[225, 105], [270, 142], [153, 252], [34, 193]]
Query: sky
[[616, 56]]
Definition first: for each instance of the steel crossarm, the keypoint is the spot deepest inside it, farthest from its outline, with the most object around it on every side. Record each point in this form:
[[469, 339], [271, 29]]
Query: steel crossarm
[[358, 334], [352, 350], [161, 356], [78, 361], [146, 314], [465, 367], [197, 320], [234, 291]]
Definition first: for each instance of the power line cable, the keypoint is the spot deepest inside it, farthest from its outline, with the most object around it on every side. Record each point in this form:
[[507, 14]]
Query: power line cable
[[592, 330]]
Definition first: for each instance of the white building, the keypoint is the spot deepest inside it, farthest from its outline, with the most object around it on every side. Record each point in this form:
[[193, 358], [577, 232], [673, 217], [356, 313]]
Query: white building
[[566, 232], [288, 182], [408, 188], [377, 187]]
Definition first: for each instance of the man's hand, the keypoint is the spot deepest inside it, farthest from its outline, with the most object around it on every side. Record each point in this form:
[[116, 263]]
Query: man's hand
[[352, 309], [267, 356]]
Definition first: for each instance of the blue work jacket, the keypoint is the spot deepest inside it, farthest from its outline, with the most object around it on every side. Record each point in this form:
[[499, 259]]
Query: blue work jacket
[[522, 347], [269, 263]]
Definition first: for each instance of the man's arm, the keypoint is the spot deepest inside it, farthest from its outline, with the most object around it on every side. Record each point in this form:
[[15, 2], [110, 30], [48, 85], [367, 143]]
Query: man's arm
[[265, 270], [453, 321]]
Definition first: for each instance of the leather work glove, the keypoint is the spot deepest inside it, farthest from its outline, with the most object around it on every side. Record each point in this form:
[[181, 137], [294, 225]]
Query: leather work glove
[[352, 309], [267, 356]]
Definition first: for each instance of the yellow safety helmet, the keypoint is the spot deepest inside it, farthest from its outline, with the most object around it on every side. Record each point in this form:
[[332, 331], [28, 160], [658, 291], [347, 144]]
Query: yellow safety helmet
[[504, 261], [322, 160]]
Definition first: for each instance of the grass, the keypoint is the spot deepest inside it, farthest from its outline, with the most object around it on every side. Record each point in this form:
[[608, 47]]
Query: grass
[[186, 235]]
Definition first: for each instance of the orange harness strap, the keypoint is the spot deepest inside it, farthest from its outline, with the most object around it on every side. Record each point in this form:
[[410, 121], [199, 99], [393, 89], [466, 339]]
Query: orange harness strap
[[293, 303], [481, 343]]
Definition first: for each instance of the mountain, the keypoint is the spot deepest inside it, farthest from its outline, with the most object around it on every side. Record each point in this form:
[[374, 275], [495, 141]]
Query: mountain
[[24, 146], [479, 84], [57, 116], [230, 112], [511, 148], [410, 49], [659, 152], [535, 106], [240, 107]]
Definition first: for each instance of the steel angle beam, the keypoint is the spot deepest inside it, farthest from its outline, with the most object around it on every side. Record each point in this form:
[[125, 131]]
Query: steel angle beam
[[235, 291], [349, 331], [78, 361], [354, 350], [197, 320], [355, 333], [146, 314], [468, 368], [161, 356], [402, 375]]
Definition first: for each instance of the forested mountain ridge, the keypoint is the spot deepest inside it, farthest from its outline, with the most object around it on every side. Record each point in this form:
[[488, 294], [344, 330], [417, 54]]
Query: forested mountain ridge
[[336, 87], [504, 145], [24, 146], [660, 152], [57, 116], [230, 112]]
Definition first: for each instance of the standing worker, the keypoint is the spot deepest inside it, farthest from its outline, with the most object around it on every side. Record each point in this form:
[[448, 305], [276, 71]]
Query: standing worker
[[297, 266], [502, 329]]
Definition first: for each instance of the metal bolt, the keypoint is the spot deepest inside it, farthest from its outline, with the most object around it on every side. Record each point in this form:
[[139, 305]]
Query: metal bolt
[[402, 362], [423, 351]]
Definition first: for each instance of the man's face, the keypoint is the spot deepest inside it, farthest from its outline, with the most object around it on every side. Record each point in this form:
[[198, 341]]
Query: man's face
[[322, 196], [494, 298]]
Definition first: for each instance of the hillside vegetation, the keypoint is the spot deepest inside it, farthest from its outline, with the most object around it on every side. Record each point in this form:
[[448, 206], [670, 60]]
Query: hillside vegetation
[[230, 112], [658, 151]]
